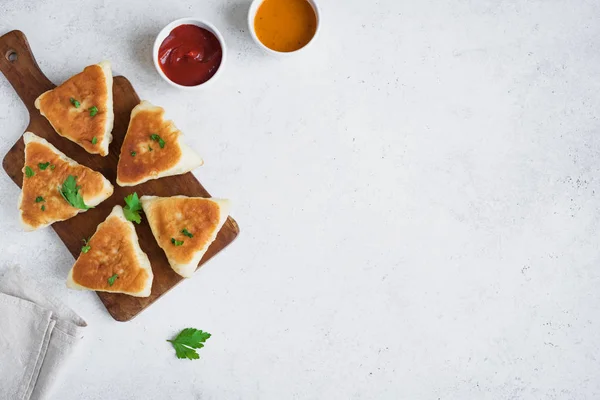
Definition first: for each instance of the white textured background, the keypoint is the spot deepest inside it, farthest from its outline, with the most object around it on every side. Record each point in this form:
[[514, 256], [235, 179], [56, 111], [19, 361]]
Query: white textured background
[[416, 194]]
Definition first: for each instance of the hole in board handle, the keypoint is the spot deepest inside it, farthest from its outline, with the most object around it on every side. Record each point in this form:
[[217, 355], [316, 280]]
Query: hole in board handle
[[12, 56]]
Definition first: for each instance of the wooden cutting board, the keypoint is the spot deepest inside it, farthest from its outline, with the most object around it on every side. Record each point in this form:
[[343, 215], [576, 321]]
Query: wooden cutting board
[[20, 68]]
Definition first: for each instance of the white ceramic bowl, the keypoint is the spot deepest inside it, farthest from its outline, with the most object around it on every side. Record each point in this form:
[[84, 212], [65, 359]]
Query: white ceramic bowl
[[162, 35], [252, 14]]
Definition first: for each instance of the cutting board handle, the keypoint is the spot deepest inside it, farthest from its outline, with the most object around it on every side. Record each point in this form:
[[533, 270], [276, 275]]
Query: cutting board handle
[[20, 68]]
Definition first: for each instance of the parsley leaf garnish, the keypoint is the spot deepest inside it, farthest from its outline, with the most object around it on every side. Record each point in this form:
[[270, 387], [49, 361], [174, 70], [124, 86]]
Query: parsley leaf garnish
[[86, 246], [149, 148], [94, 140], [29, 172], [43, 207], [70, 192], [39, 199], [176, 242], [133, 208], [158, 139], [187, 233], [133, 153], [52, 167], [74, 102], [187, 341], [43, 166], [112, 279], [93, 111]]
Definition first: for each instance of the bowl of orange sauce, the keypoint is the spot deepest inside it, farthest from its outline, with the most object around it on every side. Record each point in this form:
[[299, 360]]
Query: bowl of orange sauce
[[283, 27]]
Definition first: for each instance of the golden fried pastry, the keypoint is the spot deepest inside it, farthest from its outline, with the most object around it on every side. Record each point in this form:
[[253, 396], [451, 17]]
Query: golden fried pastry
[[112, 260], [81, 109], [151, 148], [56, 187], [184, 227]]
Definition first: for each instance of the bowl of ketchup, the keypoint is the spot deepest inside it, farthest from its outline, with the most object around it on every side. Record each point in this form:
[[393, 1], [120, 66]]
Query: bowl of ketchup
[[189, 53]]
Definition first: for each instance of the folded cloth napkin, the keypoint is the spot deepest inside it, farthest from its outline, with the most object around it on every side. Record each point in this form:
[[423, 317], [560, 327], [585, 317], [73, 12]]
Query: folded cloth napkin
[[37, 337]]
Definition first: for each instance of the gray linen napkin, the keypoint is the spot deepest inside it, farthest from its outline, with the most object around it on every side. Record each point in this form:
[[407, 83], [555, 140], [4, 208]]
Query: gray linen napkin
[[37, 337]]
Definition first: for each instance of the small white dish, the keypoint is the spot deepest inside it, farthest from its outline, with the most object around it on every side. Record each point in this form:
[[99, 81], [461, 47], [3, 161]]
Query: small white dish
[[162, 35], [252, 15]]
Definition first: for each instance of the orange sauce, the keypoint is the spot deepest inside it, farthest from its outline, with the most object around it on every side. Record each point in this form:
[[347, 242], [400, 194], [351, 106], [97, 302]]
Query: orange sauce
[[285, 25]]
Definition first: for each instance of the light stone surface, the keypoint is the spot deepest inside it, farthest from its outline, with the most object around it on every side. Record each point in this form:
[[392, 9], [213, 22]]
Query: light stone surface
[[416, 194]]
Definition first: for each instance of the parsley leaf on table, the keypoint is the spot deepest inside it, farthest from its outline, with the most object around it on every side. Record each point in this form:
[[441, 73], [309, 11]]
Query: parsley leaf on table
[[133, 208], [187, 341], [70, 192]]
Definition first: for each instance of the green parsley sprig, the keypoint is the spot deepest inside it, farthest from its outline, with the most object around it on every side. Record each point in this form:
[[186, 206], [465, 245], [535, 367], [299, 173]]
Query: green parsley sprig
[[112, 279], [70, 192], [75, 103], [176, 242], [188, 341], [133, 208], [158, 139], [86, 245]]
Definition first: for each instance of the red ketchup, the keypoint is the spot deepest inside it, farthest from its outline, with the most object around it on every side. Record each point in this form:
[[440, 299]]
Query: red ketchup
[[190, 55]]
